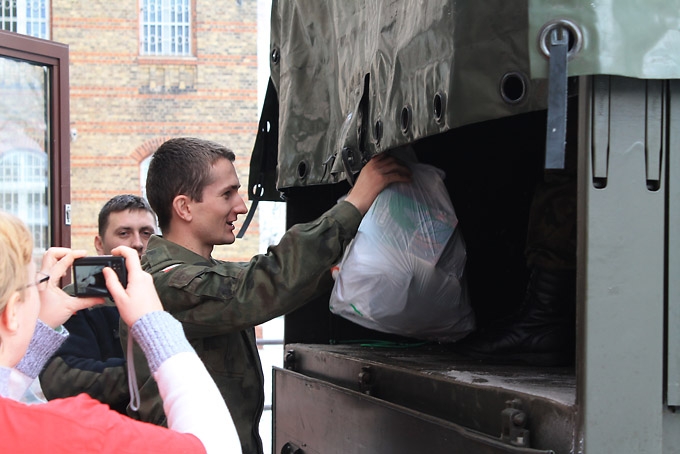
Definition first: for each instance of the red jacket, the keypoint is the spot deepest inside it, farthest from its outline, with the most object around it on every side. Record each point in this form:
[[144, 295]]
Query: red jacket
[[82, 424]]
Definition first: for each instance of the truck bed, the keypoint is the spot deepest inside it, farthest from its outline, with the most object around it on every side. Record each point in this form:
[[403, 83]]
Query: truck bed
[[427, 382]]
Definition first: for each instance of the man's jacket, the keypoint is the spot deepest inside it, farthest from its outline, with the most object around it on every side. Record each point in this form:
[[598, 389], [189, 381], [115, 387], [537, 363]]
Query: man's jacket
[[219, 304], [91, 359]]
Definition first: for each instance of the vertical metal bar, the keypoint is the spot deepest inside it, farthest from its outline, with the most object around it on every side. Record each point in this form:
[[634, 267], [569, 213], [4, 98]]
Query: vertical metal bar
[[556, 132]]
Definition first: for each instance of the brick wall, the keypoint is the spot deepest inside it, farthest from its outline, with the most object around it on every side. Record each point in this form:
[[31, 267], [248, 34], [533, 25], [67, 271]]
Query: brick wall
[[124, 105]]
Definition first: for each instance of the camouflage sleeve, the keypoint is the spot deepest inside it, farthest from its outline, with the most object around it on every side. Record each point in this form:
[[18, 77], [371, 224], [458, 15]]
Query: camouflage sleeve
[[213, 300], [79, 367]]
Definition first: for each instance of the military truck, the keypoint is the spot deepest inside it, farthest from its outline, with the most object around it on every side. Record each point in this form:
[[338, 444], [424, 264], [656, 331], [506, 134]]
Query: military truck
[[488, 92]]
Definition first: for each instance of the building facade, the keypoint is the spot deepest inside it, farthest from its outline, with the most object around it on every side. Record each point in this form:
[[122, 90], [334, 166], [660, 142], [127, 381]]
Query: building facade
[[142, 72]]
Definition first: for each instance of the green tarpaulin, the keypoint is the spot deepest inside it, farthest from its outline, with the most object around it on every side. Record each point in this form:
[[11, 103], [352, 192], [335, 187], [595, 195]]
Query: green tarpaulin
[[367, 76]]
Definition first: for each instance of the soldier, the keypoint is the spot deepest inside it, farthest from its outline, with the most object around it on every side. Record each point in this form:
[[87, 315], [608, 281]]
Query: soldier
[[91, 360], [193, 188]]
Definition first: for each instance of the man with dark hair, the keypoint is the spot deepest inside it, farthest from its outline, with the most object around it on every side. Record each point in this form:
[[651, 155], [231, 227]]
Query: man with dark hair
[[91, 360], [193, 187]]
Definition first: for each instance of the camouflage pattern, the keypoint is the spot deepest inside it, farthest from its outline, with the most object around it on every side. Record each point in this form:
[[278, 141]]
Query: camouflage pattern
[[90, 360], [220, 303]]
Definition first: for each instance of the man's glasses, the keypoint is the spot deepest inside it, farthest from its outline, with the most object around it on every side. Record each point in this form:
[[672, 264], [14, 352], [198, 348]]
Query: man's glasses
[[40, 281]]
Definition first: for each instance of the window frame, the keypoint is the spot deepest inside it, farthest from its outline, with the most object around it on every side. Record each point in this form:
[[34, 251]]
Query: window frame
[[170, 57], [22, 19], [55, 56]]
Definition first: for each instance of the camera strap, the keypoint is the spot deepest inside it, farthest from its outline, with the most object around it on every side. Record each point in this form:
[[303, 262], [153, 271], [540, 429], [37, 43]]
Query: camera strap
[[132, 376]]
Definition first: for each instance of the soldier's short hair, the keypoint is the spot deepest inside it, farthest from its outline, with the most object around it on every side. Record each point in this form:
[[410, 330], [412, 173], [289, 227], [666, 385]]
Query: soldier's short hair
[[181, 166], [120, 203]]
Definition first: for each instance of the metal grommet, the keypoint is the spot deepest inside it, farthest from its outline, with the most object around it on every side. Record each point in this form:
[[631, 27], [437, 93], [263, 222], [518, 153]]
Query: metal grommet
[[257, 190], [575, 36], [513, 87], [405, 119], [302, 170], [378, 131], [275, 55], [438, 106]]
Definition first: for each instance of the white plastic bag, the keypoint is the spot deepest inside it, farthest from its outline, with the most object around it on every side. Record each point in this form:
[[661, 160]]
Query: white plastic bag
[[403, 272]]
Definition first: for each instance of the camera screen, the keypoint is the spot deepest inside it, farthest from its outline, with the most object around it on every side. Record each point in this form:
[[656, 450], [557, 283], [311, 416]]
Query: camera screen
[[90, 279]]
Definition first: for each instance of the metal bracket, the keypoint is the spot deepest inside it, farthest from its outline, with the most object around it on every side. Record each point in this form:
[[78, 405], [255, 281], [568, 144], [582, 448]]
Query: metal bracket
[[289, 360], [366, 380], [514, 431], [290, 448]]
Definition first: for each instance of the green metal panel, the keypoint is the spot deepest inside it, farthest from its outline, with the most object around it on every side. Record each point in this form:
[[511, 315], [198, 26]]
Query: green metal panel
[[629, 38], [671, 415], [673, 378], [621, 266]]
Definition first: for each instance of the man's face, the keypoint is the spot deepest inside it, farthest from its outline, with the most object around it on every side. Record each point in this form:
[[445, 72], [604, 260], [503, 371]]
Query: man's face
[[131, 228], [213, 218]]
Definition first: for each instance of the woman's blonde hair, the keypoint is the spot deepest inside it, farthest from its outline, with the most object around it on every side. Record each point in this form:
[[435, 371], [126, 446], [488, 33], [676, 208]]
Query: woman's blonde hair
[[16, 246]]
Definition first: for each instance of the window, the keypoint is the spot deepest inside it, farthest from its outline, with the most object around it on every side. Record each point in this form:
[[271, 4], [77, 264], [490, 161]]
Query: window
[[23, 191], [34, 136], [28, 17], [165, 27]]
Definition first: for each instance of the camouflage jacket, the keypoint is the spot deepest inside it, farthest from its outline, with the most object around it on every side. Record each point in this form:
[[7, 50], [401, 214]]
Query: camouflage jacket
[[219, 304], [90, 360]]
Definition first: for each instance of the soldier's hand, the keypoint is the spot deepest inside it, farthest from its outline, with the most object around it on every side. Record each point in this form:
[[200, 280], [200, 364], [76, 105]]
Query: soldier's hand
[[140, 297], [381, 171]]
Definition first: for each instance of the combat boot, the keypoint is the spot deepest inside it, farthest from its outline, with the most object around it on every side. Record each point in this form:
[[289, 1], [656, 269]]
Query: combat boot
[[541, 333]]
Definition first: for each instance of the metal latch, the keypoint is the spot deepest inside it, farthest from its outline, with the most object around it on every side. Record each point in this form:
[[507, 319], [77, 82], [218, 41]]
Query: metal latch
[[514, 431], [556, 132], [291, 448], [289, 360], [366, 380]]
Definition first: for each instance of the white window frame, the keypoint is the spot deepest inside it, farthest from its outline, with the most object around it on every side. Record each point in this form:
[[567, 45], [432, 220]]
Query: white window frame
[[23, 191], [162, 31], [32, 17]]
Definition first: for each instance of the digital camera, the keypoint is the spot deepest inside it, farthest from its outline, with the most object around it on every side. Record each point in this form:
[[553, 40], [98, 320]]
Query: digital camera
[[88, 279]]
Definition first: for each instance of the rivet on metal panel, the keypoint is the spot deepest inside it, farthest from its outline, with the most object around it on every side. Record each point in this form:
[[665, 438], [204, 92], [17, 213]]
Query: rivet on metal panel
[[575, 37], [513, 87]]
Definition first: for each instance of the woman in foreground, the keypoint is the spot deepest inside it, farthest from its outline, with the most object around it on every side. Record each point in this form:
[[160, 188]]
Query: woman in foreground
[[32, 310]]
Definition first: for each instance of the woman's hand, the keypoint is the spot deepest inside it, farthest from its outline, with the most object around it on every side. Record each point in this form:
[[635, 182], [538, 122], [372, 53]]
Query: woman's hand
[[140, 297], [55, 305]]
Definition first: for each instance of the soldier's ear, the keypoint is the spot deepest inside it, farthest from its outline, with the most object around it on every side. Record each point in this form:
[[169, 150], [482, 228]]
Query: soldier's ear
[[181, 206], [99, 245]]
